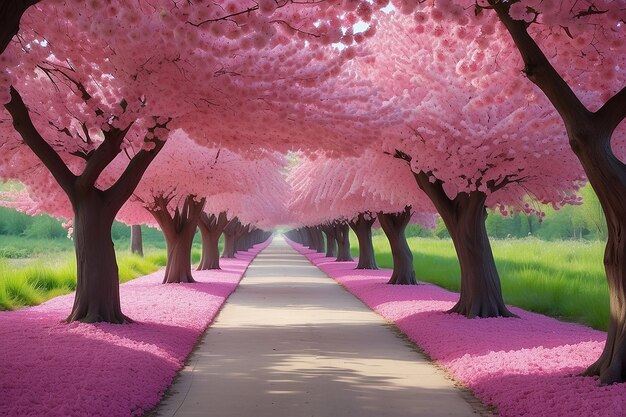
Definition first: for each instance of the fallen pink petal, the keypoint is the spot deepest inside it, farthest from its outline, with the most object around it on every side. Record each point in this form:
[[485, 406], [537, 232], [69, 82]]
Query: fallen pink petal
[[523, 367], [50, 368]]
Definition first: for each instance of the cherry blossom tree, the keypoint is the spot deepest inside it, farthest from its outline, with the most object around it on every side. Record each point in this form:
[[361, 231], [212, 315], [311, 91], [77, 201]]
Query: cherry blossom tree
[[88, 119], [592, 104], [359, 189], [575, 52], [258, 204], [211, 227], [177, 201], [136, 239], [83, 84], [10, 14], [468, 137]]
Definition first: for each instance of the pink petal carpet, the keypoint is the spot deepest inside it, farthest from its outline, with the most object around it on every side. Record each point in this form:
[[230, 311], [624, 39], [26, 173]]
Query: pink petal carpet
[[522, 367], [49, 368]]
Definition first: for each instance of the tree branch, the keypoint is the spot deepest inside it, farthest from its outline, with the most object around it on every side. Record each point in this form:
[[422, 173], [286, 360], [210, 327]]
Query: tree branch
[[614, 111], [434, 191], [124, 187], [540, 71], [222, 221], [162, 215], [48, 156], [102, 157], [11, 12]]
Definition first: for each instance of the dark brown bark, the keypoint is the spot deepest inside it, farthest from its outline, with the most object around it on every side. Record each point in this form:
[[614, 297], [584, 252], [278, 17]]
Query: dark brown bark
[[11, 12], [304, 237], [342, 232], [241, 243], [321, 245], [97, 286], [394, 225], [315, 238], [464, 216], [331, 242], [230, 238], [293, 235], [308, 237], [211, 228], [362, 227], [590, 137], [179, 231], [136, 241]]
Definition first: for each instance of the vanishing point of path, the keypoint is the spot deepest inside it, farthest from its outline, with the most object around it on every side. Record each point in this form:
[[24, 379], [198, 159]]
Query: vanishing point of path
[[292, 342]]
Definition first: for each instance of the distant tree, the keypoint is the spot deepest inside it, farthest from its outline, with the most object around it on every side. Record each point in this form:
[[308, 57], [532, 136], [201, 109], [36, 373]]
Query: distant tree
[[357, 190]]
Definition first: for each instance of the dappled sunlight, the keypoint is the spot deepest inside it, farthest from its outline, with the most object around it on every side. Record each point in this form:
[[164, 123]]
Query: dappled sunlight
[[522, 366], [292, 342], [83, 369]]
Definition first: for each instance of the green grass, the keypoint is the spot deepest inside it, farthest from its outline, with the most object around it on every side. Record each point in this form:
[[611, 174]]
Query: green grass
[[563, 279], [35, 270], [41, 276], [16, 247]]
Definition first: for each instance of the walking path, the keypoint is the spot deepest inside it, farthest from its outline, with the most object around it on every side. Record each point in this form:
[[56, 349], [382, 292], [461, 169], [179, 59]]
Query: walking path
[[291, 342]]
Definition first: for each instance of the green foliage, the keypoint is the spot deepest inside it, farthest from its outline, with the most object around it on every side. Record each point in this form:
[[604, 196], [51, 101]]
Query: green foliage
[[15, 247], [45, 227], [13, 222], [415, 230], [19, 292], [14, 253], [120, 231], [441, 231], [585, 221]]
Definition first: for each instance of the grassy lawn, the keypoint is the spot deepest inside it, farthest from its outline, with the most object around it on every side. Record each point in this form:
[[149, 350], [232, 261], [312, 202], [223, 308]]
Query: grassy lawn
[[35, 270], [563, 279]]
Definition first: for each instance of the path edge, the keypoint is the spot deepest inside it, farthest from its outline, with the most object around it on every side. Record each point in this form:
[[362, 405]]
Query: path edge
[[153, 412], [481, 409]]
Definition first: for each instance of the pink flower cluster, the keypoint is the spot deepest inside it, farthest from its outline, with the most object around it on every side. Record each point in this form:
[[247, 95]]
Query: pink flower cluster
[[50, 368], [326, 188], [523, 367]]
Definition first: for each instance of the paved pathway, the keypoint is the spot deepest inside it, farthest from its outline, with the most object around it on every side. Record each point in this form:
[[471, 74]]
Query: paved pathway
[[291, 342]]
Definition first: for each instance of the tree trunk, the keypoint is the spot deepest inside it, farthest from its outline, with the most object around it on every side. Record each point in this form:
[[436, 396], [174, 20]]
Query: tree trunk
[[394, 225], [331, 244], [210, 252], [342, 231], [464, 216], [316, 240], [319, 237], [136, 242], [179, 231], [229, 246], [241, 244], [230, 238], [178, 268], [97, 287], [304, 237], [607, 176], [211, 228], [308, 237], [11, 12], [481, 294], [362, 227], [590, 135]]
